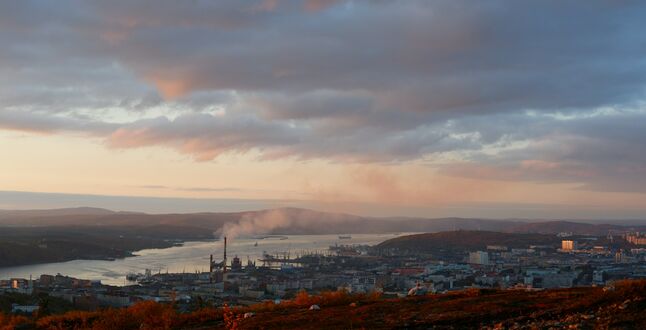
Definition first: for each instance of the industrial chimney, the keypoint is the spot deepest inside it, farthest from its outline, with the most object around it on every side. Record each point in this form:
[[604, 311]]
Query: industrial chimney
[[224, 268]]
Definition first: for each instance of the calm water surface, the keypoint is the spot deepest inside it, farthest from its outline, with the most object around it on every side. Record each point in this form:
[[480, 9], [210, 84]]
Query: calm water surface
[[190, 257]]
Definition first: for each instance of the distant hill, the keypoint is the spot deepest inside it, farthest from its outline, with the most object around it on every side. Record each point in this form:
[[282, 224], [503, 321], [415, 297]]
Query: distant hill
[[32, 245], [291, 221], [275, 221], [26, 214], [463, 240], [578, 228]]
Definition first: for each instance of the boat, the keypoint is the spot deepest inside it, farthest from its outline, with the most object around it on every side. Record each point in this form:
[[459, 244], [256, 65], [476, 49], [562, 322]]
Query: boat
[[132, 277], [286, 267], [345, 237], [278, 237]]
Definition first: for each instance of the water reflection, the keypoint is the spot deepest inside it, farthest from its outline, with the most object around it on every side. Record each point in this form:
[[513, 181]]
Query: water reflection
[[191, 257]]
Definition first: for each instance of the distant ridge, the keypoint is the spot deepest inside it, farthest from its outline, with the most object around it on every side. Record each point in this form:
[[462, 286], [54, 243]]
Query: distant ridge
[[465, 240], [553, 227], [297, 221], [55, 212]]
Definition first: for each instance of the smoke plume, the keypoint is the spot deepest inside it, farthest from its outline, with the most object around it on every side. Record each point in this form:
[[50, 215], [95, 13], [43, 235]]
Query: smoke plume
[[257, 224]]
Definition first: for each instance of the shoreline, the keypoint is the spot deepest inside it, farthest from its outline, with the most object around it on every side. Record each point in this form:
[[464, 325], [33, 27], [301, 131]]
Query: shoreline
[[128, 254]]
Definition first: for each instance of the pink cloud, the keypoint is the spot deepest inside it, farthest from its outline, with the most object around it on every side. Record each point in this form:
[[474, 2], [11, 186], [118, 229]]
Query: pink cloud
[[318, 5]]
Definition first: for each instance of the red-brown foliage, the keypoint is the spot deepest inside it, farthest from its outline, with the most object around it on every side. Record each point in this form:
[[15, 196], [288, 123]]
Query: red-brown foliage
[[616, 308], [8, 322], [200, 317], [143, 315]]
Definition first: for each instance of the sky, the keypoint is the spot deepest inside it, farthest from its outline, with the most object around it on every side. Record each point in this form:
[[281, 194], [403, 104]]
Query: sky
[[495, 109]]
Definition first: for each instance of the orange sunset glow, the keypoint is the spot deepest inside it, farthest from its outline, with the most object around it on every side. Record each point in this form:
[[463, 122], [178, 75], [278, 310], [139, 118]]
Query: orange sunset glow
[[415, 108]]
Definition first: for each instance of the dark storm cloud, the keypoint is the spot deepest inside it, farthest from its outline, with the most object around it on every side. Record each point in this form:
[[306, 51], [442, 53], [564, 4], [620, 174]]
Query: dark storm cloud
[[409, 56], [370, 81], [603, 152]]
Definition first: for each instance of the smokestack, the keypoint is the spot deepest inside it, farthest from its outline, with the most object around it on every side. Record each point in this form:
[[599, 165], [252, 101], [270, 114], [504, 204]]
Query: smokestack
[[224, 269], [211, 269]]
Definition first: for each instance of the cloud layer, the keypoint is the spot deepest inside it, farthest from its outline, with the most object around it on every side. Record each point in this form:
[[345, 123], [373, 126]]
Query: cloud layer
[[540, 91]]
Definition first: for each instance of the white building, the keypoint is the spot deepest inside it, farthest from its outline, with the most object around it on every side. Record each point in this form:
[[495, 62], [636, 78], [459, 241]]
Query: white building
[[479, 258], [24, 309], [569, 245], [597, 277], [636, 238]]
